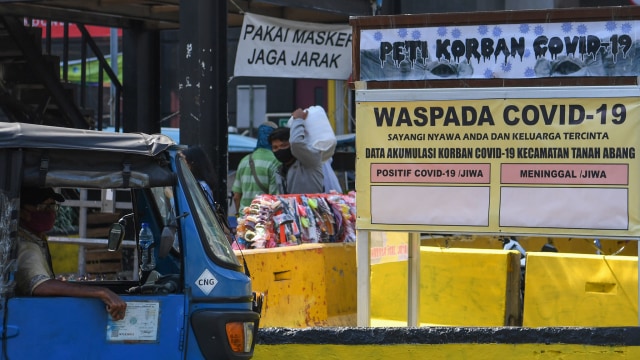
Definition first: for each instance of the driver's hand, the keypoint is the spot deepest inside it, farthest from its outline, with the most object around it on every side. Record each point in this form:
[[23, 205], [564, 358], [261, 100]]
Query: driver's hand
[[116, 307]]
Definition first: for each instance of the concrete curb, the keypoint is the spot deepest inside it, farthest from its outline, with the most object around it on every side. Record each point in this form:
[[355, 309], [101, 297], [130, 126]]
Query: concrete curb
[[610, 336]]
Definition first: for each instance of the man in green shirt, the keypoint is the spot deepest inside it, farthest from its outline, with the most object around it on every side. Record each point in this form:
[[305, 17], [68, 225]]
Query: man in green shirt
[[259, 178]]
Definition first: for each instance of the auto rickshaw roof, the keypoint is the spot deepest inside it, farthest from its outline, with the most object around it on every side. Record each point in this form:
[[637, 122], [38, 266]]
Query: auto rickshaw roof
[[21, 135]]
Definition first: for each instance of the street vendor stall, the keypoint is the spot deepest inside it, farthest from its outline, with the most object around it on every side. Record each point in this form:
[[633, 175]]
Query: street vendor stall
[[301, 252], [285, 220]]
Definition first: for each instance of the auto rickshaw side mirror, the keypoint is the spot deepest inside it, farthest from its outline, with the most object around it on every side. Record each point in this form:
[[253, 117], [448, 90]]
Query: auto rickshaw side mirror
[[116, 234]]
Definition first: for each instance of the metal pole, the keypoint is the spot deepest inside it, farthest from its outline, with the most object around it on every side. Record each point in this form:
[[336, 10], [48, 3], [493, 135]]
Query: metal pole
[[82, 231], [251, 109], [413, 296], [218, 86], [203, 84], [363, 256], [340, 127], [114, 66]]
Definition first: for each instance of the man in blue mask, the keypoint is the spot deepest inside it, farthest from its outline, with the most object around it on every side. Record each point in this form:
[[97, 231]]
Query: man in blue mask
[[256, 173], [301, 170]]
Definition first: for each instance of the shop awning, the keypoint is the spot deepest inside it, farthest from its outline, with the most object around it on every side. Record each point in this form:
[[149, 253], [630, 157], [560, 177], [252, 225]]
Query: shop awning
[[74, 74]]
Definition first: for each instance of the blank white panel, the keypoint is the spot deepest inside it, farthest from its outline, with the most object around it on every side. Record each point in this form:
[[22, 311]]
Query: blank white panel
[[252, 105], [430, 205], [573, 208]]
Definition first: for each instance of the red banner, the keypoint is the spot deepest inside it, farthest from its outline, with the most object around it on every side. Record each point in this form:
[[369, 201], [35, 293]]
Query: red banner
[[57, 29]]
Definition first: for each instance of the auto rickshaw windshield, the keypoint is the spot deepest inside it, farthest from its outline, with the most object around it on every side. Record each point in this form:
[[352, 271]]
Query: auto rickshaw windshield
[[212, 233]]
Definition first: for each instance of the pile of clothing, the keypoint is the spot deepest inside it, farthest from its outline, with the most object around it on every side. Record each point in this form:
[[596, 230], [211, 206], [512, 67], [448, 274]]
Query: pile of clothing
[[284, 220]]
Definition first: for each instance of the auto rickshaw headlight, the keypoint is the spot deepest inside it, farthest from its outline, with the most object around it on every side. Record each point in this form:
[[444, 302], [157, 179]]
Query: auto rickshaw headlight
[[240, 336]]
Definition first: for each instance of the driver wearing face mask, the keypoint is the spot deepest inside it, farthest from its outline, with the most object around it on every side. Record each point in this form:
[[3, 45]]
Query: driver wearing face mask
[[301, 170], [35, 277]]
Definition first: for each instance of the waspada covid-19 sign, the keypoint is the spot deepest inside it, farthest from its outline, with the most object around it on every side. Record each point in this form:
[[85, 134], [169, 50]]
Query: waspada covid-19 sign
[[548, 161]]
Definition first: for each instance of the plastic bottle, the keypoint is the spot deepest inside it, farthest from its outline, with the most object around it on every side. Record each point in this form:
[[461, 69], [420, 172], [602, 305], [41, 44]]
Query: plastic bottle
[[318, 131], [148, 262]]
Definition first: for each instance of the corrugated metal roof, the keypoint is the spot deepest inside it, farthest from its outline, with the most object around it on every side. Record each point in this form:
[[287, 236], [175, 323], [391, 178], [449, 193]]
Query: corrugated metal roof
[[165, 14]]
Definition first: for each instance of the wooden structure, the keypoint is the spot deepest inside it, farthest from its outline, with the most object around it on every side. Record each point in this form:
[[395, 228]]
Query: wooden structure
[[405, 24]]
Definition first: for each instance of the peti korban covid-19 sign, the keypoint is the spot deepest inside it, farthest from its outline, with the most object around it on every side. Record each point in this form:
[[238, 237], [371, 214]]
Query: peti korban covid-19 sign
[[556, 160], [508, 51], [282, 48]]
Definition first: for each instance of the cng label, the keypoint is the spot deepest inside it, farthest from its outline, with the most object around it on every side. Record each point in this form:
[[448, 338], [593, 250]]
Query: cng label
[[206, 282]]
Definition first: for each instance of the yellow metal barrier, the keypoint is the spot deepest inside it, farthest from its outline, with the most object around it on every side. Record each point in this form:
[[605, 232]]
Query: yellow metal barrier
[[315, 285], [564, 245], [580, 290], [306, 285], [458, 287]]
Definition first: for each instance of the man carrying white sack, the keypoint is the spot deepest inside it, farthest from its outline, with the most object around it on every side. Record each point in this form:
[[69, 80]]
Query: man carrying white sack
[[301, 170]]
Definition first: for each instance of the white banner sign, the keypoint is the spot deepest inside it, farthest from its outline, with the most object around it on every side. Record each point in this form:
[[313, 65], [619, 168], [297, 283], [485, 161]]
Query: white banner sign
[[508, 51], [281, 48]]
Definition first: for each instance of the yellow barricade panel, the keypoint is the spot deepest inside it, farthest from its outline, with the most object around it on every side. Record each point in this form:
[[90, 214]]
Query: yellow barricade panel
[[306, 285], [580, 290], [458, 287]]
